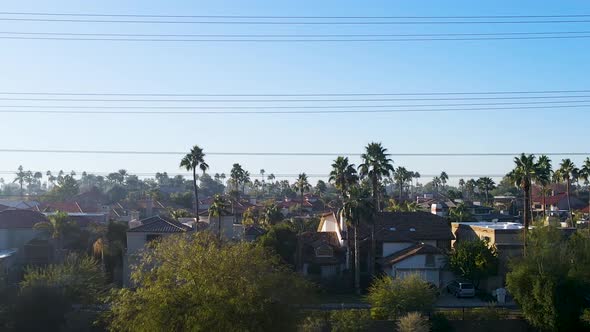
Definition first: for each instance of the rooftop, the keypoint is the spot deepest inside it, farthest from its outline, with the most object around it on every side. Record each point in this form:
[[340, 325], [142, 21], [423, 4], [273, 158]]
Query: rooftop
[[493, 225]]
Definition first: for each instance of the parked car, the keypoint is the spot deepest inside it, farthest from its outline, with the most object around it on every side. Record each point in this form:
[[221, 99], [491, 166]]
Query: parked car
[[461, 288]]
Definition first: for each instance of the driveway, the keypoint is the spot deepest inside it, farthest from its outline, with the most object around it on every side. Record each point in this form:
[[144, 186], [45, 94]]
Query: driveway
[[447, 300]]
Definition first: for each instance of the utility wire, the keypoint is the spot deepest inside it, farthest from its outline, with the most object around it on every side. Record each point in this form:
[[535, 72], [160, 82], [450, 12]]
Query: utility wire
[[351, 111], [296, 94], [287, 35], [292, 107], [283, 154], [281, 100], [553, 21], [291, 40], [288, 17]]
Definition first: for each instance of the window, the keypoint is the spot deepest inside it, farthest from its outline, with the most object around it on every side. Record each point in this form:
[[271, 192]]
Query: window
[[429, 260]]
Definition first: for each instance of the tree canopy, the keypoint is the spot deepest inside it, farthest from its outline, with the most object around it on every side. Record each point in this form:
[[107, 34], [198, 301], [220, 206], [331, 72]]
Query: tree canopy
[[551, 283], [473, 260], [390, 298], [210, 287]]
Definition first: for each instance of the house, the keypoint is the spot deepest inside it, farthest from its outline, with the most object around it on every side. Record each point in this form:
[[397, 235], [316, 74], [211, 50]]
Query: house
[[17, 233], [253, 232], [486, 213], [149, 229], [506, 237], [556, 203], [325, 252], [411, 243], [21, 205]]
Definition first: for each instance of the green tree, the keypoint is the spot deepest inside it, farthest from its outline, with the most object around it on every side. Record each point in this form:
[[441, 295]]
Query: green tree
[[217, 209], [375, 166], [343, 175], [200, 290], [474, 260], [485, 184], [459, 213], [567, 173], [543, 179], [79, 277], [390, 298], [351, 320], [195, 158], [585, 174], [302, 185], [271, 214], [357, 208], [320, 188], [401, 176], [444, 177], [38, 308], [59, 227], [550, 283], [281, 239]]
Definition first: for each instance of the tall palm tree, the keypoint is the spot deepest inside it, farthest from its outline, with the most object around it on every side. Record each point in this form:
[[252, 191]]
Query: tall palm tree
[[444, 177], [567, 173], [21, 177], [217, 209], [525, 171], [543, 179], [302, 185], [461, 185], [415, 175], [58, 227], [470, 186], [585, 174], [486, 184], [401, 175], [195, 158], [357, 208], [375, 166], [343, 175]]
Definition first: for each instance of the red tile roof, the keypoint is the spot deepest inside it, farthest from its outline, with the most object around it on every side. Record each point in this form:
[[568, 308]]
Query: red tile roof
[[404, 226], [68, 207], [550, 200], [158, 224], [10, 219]]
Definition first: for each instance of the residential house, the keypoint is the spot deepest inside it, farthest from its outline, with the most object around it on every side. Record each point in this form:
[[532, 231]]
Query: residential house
[[411, 243], [505, 237], [17, 233], [150, 229], [556, 203]]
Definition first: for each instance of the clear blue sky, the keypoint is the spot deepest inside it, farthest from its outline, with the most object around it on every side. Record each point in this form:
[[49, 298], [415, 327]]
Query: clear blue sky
[[86, 66]]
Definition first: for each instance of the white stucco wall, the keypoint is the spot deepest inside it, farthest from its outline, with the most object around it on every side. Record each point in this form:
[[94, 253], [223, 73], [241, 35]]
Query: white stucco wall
[[417, 265]]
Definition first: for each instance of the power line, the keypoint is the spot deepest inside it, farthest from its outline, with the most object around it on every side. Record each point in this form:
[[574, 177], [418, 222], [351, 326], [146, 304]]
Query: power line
[[283, 154], [289, 17], [287, 35], [283, 100], [289, 107], [297, 94], [292, 40], [348, 111], [292, 22]]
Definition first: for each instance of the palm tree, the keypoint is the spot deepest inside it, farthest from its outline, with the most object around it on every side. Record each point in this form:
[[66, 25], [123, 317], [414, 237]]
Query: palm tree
[[486, 184], [375, 166], [414, 175], [525, 171], [195, 158], [218, 209], [58, 227], [21, 177], [567, 173], [444, 177], [272, 214], [343, 175], [543, 179], [357, 208], [585, 174], [459, 213], [302, 185], [435, 183], [461, 185], [401, 175]]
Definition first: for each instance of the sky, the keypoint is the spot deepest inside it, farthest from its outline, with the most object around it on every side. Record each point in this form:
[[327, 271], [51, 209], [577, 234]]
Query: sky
[[290, 68]]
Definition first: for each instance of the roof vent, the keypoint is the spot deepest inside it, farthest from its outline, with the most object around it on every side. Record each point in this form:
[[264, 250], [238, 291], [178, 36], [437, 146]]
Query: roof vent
[[392, 229], [412, 229]]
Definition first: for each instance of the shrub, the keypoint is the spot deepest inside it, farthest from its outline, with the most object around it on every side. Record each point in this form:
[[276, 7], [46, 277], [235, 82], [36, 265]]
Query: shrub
[[440, 323], [314, 322], [413, 322], [391, 298], [350, 320]]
